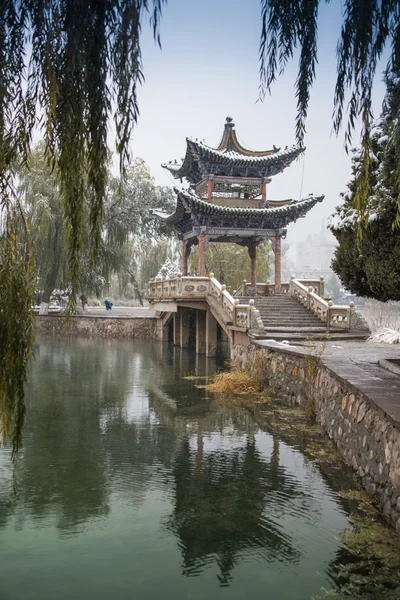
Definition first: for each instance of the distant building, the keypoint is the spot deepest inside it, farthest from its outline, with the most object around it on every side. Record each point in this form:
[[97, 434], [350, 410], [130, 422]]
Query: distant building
[[314, 256]]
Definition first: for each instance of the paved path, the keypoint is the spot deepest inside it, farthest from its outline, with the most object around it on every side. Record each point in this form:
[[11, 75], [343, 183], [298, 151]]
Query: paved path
[[119, 311], [357, 363]]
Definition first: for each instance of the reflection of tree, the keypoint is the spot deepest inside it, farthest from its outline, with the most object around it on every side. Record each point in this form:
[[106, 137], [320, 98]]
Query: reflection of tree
[[79, 440], [222, 507], [113, 419]]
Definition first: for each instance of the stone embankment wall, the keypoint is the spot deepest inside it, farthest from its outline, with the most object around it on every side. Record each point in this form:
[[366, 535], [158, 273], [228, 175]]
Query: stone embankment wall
[[366, 437], [143, 329]]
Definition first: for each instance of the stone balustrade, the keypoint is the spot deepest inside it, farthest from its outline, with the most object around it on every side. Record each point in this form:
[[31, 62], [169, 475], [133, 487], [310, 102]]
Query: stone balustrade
[[180, 287], [262, 289], [308, 292]]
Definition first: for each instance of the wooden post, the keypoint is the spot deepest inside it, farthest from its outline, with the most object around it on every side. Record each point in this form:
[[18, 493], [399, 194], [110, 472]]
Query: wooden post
[[200, 331], [211, 334], [202, 254], [184, 327], [278, 265], [210, 187], [252, 249]]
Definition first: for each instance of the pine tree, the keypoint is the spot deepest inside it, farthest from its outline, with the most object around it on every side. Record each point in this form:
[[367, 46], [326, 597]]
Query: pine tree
[[368, 257]]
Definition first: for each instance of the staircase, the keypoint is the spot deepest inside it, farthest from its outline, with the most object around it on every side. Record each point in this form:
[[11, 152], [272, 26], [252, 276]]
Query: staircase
[[284, 318]]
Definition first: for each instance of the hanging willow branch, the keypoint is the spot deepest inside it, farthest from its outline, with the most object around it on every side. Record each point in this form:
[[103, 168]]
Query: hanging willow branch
[[66, 67], [368, 26]]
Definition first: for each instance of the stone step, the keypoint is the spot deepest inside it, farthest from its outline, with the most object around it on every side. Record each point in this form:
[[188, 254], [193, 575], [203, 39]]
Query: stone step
[[293, 324], [282, 315], [296, 329], [300, 337], [287, 314], [279, 304], [284, 309], [276, 314]]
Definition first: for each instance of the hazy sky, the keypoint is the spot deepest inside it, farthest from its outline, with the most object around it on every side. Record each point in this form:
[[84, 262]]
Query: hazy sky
[[208, 69]]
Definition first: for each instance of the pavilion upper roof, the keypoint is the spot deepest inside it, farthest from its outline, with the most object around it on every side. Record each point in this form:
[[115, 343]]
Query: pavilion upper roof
[[190, 208], [230, 158]]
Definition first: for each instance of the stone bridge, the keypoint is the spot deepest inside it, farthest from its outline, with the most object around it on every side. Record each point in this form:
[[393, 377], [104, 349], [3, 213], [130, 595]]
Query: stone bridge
[[186, 303]]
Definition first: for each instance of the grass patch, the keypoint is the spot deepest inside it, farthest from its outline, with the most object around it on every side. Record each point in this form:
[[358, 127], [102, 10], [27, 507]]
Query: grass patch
[[239, 388], [234, 382]]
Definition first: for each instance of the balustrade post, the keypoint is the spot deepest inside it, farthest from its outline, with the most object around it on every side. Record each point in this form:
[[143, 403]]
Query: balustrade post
[[322, 286], [235, 305], [309, 296], [328, 312], [223, 288], [291, 285], [251, 308], [210, 283]]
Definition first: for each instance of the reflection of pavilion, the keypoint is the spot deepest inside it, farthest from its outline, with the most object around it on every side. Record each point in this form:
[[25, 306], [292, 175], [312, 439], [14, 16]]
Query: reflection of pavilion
[[226, 493], [222, 501]]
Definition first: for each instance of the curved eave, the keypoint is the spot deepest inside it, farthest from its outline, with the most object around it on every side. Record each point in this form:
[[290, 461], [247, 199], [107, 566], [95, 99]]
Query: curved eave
[[171, 218], [189, 208], [200, 150], [229, 141], [197, 152], [296, 208]]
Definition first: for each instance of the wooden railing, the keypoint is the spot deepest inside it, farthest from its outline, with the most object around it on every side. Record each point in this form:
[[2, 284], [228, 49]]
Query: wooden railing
[[177, 287]]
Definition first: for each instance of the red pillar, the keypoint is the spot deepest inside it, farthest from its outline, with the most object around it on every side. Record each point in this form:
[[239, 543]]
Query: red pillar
[[253, 266], [263, 194], [186, 249], [202, 254], [184, 259], [278, 265]]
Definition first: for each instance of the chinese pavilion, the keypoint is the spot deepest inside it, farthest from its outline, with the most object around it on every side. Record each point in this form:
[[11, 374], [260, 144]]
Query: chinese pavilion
[[227, 199]]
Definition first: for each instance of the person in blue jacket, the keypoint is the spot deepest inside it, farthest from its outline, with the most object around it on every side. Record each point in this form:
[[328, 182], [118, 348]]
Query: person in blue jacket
[[108, 304]]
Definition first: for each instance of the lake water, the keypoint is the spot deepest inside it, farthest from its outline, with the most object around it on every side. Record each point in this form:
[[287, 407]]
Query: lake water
[[135, 483]]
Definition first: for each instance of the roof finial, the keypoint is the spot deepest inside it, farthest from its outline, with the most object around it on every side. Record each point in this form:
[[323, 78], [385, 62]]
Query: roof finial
[[229, 122]]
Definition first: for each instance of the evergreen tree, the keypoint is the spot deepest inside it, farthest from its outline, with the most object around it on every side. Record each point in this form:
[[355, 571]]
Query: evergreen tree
[[368, 258]]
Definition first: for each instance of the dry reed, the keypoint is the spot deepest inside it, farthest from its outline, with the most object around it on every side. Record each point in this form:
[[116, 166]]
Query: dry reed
[[234, 382]]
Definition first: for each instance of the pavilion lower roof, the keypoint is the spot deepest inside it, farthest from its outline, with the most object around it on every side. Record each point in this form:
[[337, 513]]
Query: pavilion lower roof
[[191, 212]]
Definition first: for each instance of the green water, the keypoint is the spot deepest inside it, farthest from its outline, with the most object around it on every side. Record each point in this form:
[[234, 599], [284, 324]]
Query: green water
[[135, 483]]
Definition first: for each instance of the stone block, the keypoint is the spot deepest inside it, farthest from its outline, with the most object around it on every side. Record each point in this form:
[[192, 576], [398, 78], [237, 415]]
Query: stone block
[[352, 399], [362, 409]]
